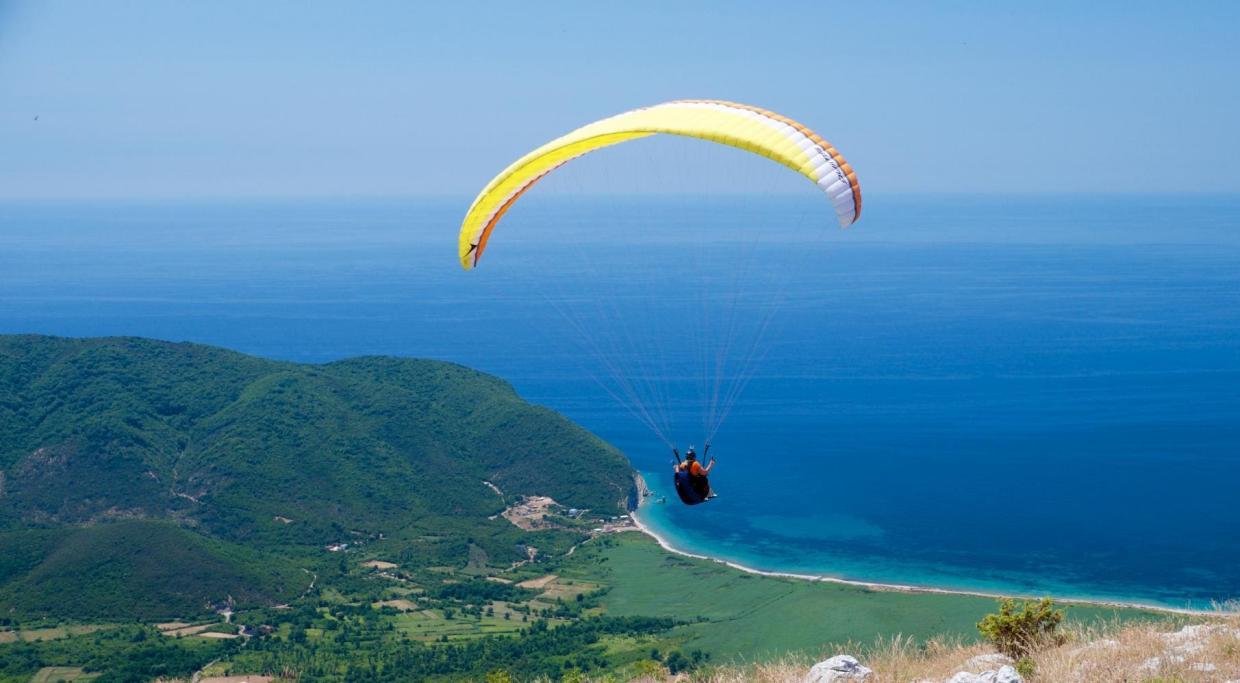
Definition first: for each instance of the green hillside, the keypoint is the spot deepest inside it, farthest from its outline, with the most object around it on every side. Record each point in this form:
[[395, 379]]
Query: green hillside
[[140, 569], [248, 459]]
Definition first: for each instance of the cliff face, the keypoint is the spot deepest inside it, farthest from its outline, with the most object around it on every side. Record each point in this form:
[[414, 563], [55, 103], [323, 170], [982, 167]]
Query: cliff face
[[637, 493]]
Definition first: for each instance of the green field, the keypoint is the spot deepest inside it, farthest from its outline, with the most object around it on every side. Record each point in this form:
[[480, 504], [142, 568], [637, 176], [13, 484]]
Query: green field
[[619, 603], [430, 625], [37, 634], [756, 617]]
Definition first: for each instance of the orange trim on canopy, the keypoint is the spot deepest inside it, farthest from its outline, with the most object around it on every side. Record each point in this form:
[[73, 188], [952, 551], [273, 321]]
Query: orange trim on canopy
[[826, 146], [503, 209]]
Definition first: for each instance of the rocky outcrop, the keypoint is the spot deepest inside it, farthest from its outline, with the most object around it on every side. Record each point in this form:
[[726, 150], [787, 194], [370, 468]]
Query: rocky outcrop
[[636, 494], [846, 669], [838, 669], [1004, 674], [1133, 651], [1182, 645]]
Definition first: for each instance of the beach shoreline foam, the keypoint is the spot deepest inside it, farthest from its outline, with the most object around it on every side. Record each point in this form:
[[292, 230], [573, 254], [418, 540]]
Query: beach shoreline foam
[[668, 546]]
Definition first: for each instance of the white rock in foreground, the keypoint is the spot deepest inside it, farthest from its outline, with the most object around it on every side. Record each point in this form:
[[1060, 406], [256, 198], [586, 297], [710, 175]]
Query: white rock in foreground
[[1005, 674], [1153, 664], [1102, 644], [1195, 633], [988, 662], [838, 669]]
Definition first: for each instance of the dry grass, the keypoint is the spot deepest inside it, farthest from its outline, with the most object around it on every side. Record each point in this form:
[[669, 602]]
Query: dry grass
[[186, 630], [539, 583], [398, 603], [52, 674], [1146, 652], [1162, 652]]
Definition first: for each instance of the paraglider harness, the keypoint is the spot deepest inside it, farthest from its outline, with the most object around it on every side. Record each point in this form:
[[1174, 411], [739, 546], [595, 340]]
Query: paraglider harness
[[692, 488]]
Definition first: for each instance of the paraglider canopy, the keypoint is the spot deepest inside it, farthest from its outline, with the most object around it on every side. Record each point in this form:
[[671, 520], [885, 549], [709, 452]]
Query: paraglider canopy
[[749, 128]]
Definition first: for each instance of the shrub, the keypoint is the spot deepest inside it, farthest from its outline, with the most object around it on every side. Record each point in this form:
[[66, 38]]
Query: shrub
[[1017, 631], [648, 668], [676, 662]]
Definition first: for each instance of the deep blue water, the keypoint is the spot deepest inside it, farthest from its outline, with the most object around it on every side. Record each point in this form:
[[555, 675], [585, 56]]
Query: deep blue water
[[1036, 394]]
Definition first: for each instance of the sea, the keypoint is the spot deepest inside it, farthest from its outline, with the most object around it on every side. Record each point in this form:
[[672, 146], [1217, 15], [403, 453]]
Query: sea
[[1031, 394]]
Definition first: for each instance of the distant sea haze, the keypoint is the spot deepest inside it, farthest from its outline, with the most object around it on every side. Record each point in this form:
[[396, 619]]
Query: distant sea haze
[[1034, 394]]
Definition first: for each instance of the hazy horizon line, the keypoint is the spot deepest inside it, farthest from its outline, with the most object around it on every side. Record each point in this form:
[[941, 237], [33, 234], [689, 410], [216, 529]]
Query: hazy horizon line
[[332, 197]]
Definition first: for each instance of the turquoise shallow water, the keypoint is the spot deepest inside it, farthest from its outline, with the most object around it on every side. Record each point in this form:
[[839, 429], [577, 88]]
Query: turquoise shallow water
[[1032, 395], [811, 559]]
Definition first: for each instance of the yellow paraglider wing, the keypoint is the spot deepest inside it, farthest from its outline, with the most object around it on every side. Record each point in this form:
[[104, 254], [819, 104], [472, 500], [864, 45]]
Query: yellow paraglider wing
[[748, 128]]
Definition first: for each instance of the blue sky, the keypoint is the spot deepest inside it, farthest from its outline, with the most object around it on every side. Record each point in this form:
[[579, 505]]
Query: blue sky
[[222, 99]]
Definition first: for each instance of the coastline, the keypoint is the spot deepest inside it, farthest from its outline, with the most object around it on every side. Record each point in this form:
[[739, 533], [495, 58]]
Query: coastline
[[667, 545]]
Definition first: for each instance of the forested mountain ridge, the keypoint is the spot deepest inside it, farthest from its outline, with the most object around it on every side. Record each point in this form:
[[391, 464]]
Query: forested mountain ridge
[[277, 456], [132, 427]]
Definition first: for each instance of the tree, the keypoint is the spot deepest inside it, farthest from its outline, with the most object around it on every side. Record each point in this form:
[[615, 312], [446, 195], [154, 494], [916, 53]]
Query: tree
[[677, 662], [1017, 632]]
